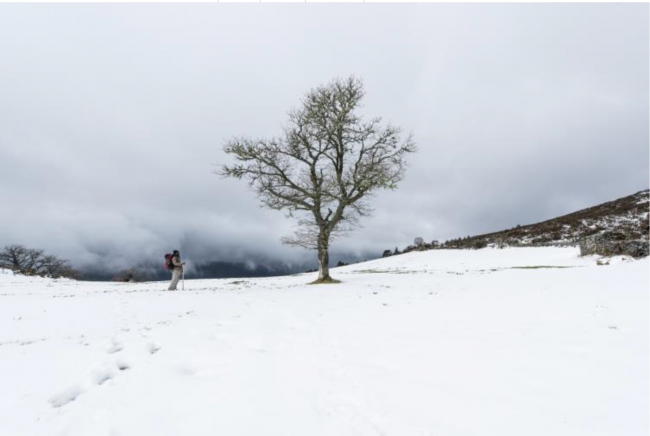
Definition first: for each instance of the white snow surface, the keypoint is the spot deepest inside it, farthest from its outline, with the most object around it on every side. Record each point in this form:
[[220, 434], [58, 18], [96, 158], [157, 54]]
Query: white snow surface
[[517, 341]]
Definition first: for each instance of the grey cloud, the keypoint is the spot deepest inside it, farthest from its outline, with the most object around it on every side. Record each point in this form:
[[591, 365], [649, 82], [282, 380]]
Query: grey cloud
[[112, 117]]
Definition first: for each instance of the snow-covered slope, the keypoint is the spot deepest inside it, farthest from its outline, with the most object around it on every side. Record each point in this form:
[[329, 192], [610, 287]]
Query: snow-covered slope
[[518, 341], [626, 215]]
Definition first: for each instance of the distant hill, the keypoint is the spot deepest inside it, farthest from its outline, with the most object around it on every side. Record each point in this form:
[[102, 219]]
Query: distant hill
[[210, 270], [627, 215]]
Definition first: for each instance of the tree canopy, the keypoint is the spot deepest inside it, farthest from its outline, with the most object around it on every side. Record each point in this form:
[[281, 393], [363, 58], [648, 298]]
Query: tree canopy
[[324, 166]]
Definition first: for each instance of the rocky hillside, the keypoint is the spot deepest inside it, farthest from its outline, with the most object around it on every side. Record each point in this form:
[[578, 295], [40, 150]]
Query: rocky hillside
[[627, 217]]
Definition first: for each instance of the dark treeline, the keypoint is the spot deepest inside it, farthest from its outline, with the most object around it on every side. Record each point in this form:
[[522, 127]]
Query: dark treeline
[[210, 270], [35, 262]]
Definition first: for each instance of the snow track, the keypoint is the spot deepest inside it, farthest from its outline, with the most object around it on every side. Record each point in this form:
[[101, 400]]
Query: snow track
[[489, 342]]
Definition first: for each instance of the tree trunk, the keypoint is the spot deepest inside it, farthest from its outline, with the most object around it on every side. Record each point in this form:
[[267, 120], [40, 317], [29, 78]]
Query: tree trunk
[[323, 258]]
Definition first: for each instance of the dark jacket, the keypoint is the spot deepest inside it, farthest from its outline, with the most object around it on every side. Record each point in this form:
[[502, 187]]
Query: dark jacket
[[176, 261]]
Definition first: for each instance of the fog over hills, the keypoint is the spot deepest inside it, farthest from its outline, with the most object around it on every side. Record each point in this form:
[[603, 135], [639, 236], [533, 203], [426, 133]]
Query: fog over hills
[[113, 117], [627, 214]]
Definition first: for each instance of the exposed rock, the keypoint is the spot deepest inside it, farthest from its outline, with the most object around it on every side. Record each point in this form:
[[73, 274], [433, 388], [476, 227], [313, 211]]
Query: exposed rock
[[614, 243], [628, 218]]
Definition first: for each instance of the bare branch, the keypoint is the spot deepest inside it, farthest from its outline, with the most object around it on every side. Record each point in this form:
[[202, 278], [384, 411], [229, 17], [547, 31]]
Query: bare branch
[[33, 262], [327, 163]]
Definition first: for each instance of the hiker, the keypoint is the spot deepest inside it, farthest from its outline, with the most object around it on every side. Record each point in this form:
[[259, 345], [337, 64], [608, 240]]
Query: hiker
[[177, 270]]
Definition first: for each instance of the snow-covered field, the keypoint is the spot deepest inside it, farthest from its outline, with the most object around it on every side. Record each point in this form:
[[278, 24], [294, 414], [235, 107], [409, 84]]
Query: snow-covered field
[[528, 341]]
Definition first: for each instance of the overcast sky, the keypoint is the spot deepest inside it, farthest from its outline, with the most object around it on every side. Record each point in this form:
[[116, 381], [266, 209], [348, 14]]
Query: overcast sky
[[113, 117]]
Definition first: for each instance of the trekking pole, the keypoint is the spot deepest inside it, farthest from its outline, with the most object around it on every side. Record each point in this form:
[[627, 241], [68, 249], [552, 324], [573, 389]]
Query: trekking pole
[[183, 275]]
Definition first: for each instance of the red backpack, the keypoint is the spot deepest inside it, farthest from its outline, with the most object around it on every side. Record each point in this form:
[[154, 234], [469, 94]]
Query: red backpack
[[168, 261]]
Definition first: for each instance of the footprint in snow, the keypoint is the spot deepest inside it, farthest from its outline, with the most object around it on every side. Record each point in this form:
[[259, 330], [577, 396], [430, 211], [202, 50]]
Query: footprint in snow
[[116, 347], [66, 396], [153, 347], [97, 377], [122, 365], [102, 375]]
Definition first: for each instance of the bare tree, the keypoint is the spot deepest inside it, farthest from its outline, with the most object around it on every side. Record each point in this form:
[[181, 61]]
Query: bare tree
[[34, 262], [13, 256], [324, 166]]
